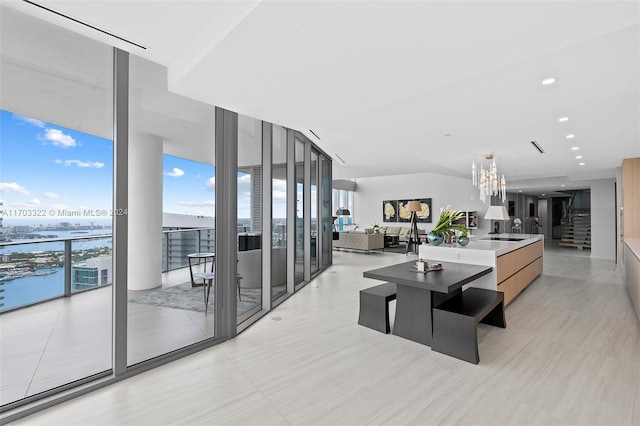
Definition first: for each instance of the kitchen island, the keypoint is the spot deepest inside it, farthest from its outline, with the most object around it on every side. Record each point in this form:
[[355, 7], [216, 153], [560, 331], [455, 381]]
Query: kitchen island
[[516, 260]]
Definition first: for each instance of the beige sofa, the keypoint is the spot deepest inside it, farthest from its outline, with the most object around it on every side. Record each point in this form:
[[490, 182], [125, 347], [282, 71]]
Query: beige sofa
[[402, 232], [359, 241]]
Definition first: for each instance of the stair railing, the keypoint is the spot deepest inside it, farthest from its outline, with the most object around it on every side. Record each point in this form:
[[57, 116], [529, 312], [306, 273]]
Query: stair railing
[[567, 216]]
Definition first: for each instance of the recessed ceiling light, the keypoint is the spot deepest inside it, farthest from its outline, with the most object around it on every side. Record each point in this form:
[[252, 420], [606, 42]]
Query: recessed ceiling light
[[581, 164], [548, 81], [520, 191], [578, 157], [563, 119], [575, 148], [571, 136], [563, 185], [544, 195]]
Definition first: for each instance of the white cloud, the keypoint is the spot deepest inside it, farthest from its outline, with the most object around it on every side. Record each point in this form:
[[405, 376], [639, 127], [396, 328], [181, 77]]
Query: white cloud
[[196, 203], [279, 189], [34, 202], [32, 121], [279, 185], [51, 195], [279, 195], [81, 164], [13, 187], [244, 179], [176, 172], [57, 138], [211, 183]]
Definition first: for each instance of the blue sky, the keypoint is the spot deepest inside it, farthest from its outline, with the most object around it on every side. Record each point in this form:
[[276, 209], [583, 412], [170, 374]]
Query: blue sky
[[188, 187], [46, 167]]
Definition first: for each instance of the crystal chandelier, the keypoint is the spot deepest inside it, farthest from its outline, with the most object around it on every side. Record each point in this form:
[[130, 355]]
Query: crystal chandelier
[[487, 181]]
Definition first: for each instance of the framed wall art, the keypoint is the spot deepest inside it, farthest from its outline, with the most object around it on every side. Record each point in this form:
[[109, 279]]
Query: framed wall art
[[390, 211], [424, 215], [404, 215]]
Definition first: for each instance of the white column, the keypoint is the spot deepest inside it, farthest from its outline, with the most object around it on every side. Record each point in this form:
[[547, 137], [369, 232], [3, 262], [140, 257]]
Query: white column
[[145, 212]]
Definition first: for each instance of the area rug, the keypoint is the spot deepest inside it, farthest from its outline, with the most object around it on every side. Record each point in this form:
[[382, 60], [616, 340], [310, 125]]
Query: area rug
[[185, 297], [401, 249]]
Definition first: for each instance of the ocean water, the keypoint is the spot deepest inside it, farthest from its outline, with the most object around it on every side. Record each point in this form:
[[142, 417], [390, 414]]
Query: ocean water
[[58, 246], [27, 290]]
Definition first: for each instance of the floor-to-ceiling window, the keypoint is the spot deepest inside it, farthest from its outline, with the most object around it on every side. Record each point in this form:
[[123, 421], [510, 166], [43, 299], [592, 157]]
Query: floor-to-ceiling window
[[342, 199], [171, 215], [314, 212], [60, 87], [250, 227], [56, 177], [326, 212], [279, 212], [299, 177]]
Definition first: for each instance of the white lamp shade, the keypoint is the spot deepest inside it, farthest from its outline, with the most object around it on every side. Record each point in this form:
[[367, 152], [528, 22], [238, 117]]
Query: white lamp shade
[[497, 213]]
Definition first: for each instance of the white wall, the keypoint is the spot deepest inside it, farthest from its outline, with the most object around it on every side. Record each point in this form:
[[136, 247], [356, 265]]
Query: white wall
[[603, 219], [443, 191]]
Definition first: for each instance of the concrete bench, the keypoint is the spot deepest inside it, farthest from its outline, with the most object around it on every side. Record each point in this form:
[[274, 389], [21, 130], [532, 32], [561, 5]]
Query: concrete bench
[[374, 306], [455, 322]]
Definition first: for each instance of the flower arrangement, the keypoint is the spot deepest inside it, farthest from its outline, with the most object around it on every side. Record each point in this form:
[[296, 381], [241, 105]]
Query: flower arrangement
[[446, 226]]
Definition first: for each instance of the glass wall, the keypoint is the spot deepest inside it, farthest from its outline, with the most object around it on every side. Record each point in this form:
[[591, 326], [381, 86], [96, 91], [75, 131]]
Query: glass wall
[[171, 215], [249, 217], [56, 174], [342, 199], [279, 213], [299, 159], [314, 213], [327, 214], [58, 265]]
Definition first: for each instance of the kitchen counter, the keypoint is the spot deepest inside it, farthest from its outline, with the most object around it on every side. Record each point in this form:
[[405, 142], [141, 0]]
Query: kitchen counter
[[632, 271], [515, 263]]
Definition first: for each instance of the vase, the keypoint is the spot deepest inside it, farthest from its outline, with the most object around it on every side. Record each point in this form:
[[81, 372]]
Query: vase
[[435, 239], [463, 241]]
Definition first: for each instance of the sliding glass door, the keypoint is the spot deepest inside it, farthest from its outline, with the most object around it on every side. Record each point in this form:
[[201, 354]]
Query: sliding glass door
[[279, 198], [299, 177], [56, 139], [250, 227]]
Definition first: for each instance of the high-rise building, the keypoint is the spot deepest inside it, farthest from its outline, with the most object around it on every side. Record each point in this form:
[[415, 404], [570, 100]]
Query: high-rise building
[[94, 272]]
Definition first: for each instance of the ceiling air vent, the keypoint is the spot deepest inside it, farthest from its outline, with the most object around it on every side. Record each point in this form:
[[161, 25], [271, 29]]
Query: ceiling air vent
[[537, 147]]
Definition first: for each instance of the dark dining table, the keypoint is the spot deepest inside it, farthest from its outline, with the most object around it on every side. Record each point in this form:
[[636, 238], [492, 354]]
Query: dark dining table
[[418, 293]]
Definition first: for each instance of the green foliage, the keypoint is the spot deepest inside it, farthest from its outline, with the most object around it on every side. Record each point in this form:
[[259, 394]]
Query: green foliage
[[445, 224]]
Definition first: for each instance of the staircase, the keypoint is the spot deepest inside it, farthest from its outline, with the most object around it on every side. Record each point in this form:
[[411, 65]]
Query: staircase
[[577, 231]]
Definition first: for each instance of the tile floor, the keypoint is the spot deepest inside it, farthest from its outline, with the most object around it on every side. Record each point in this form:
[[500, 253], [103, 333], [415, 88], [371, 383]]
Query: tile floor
[[569, 355]]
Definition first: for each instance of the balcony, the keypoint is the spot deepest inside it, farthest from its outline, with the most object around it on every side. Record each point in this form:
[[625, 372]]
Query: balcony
[[56, 313]]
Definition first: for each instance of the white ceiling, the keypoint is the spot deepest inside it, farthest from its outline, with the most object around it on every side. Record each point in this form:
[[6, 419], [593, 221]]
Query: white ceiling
[[398, 87]]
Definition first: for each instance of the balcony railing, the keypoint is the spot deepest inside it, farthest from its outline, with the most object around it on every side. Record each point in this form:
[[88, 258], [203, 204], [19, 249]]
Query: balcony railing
[[33, 271], [177, 244]]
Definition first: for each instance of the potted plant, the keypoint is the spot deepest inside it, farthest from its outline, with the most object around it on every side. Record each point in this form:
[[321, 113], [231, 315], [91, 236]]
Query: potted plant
[[463, 239], [446, 226], [376, 228]]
